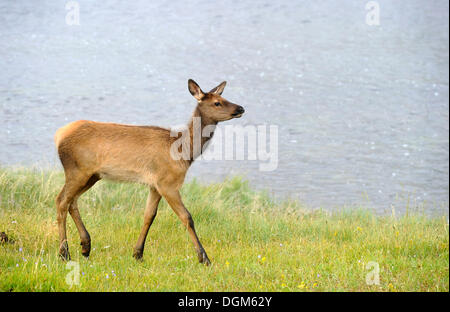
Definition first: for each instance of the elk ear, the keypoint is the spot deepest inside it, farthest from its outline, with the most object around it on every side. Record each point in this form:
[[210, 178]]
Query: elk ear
[[195, 90], [219, 89]]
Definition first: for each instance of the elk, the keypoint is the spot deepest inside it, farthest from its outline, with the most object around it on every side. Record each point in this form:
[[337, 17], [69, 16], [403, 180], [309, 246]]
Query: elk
[[90, 151]]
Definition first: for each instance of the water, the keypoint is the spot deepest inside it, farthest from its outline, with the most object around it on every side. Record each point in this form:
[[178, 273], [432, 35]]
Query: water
[[362, 110]]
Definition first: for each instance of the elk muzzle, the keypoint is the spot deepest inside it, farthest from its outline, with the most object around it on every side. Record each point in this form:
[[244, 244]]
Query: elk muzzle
[[238, 112]]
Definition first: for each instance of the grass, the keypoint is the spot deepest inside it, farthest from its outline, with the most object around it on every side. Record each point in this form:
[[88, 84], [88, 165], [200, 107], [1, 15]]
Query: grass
[[254, 243]]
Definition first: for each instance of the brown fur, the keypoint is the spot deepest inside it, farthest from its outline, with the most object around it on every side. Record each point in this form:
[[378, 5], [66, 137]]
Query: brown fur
[[90, 151]]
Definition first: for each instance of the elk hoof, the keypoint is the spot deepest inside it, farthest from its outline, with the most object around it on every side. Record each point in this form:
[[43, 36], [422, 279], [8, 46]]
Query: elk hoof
[[85, 249], [137, 254], [203, 258], [64, 253]]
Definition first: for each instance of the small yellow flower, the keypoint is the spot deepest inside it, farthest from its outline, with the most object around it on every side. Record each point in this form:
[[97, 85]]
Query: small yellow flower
[[283, 285], [283, 276], [314, 285], [396, 233], [359, 228], [335, 233], [263, 259], [301, 285], [227, 263]]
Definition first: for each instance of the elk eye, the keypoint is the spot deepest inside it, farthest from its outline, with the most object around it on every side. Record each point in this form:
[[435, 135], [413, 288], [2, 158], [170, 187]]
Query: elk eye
[[217, 104]]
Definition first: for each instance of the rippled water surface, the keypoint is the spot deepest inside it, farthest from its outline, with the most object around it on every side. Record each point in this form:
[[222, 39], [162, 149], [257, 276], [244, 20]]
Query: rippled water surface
[[362, 110]]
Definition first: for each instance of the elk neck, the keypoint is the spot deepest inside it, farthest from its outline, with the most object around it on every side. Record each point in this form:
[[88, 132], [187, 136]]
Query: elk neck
[[196, 125]]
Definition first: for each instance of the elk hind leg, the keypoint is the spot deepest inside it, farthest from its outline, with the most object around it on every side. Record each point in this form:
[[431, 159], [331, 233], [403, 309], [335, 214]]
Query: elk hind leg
[[74, 183], [75, 214]]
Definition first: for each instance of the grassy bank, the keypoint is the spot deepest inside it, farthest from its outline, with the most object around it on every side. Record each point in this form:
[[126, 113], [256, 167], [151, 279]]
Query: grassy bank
[[253, 243]]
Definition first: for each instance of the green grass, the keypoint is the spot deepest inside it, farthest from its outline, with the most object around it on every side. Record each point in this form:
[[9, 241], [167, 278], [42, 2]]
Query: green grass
[[254, 243]]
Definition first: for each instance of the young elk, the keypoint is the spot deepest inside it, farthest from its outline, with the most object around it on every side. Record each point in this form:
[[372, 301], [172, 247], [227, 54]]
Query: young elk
[[90, 151]]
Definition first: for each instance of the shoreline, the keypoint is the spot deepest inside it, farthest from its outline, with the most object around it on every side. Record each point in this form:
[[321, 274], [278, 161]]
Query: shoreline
[[428, 209]]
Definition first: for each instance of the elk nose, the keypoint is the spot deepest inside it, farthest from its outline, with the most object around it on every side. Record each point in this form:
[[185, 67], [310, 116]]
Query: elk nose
[[240, 110]]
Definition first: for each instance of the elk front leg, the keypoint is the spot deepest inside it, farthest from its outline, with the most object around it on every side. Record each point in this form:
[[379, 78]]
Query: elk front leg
[[149, 215], [175, 202]]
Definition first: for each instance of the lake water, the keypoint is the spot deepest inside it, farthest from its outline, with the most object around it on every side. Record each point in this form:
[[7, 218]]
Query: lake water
[[362, 111]]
